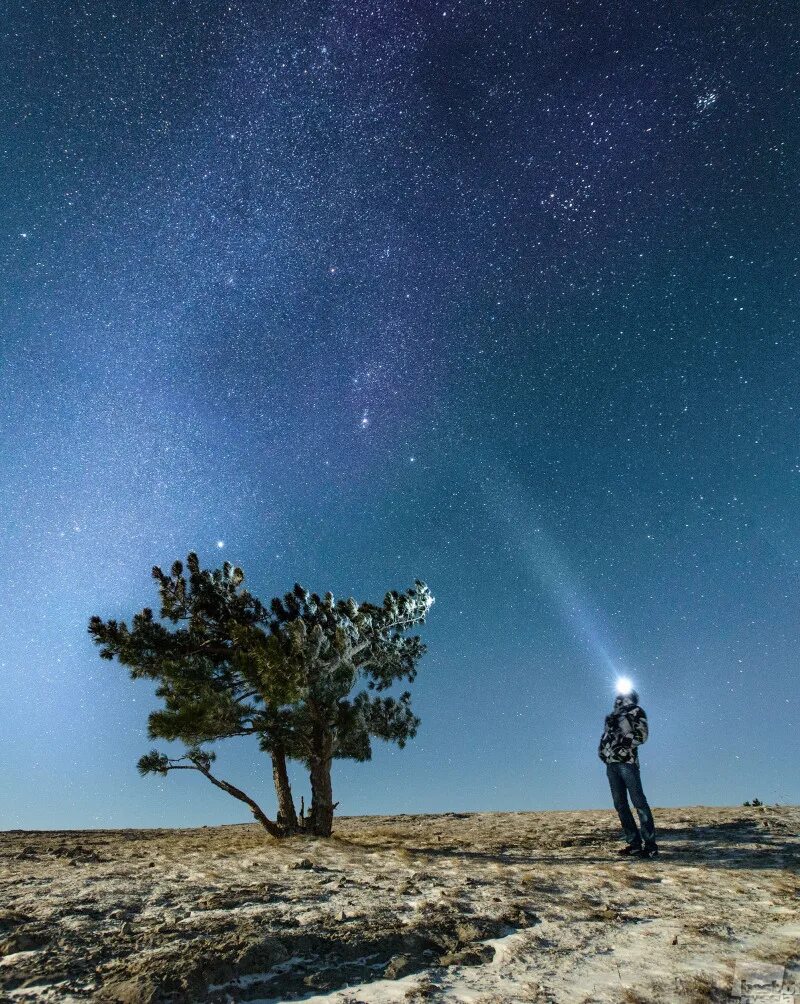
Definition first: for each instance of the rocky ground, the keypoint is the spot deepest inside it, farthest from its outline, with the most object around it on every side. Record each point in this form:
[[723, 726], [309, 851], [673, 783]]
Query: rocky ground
[[485, 908]]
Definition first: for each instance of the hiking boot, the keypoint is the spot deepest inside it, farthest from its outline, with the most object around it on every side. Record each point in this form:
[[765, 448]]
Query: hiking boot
[[630, 849], [649, 851]]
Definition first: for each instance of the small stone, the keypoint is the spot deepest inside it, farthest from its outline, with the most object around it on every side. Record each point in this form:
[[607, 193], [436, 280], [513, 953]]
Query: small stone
[[399, 966]]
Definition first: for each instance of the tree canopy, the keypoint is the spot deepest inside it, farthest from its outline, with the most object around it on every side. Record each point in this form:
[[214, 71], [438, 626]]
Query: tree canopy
[[307, 675]]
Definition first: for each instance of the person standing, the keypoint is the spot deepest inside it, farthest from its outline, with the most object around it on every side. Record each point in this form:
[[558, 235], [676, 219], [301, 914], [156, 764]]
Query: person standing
[[625, 730]]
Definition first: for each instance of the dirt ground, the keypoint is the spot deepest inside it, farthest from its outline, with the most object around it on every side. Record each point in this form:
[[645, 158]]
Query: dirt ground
[[478, 907]]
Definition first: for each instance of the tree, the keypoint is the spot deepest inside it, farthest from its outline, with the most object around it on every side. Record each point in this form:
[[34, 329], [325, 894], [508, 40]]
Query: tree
[[228, 666]]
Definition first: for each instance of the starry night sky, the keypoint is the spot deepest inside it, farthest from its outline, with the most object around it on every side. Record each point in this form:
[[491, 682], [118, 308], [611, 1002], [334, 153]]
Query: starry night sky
[[498, 296]]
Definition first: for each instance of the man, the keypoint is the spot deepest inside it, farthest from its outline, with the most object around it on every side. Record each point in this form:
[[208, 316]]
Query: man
[[625, 730]]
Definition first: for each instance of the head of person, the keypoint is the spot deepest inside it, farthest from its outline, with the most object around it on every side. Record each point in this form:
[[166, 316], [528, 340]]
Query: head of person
[[627, 696]]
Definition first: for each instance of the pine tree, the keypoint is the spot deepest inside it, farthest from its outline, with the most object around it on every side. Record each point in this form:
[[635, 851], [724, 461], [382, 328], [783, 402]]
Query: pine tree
[[228, 666]]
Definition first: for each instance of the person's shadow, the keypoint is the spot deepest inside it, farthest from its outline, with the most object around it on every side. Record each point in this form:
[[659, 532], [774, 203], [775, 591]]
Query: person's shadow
[[741, 843]]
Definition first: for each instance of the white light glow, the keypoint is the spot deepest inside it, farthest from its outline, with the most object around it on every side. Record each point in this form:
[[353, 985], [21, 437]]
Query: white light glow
[[624, 684]]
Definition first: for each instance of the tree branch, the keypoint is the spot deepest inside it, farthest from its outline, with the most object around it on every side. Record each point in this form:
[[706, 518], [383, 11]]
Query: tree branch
[[269, 826]]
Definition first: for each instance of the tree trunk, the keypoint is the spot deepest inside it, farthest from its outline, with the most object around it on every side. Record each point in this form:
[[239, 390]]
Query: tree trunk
[[320, 816], [272, 828], [287, 815]]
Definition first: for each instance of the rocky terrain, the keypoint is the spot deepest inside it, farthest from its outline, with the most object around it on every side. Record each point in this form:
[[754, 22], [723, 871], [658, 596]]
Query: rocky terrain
[[485, 908]]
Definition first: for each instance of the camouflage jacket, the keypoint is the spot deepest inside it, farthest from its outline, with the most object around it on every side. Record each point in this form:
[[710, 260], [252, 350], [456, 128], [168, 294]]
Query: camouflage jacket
[[625, 729]]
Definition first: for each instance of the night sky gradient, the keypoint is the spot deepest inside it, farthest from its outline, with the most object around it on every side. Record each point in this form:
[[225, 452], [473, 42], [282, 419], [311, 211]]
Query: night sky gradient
[[496, 295]]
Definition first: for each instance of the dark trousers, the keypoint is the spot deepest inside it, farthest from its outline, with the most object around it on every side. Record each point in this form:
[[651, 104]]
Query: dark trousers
[[624, 780]]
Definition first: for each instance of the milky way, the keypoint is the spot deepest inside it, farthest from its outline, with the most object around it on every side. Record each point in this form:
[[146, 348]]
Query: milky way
[[499, 297]]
